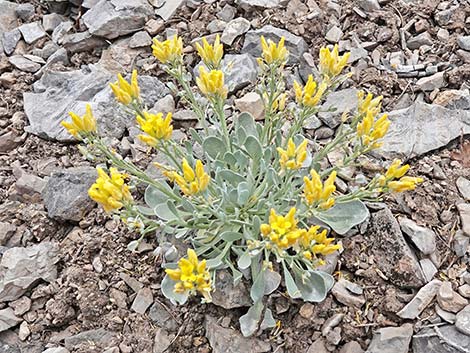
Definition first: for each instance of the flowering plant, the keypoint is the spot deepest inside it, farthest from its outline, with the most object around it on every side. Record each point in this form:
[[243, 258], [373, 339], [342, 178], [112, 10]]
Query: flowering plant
[[243, 195]]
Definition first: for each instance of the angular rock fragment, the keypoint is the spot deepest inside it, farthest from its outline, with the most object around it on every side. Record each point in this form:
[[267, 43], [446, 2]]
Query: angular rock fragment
[[22, 268], [422, 299], [423, 238], [394, 256], [441, 339], [391, 340], [423, 128], [66, 193], [114, 18], [225, 340], [450, 300], [8, 319]]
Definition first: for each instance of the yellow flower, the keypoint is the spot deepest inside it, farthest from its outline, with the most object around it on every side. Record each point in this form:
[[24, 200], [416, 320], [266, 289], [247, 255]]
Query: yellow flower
[[168, 51], [81, 125], [279, 104], [282, 231], [192, 181], [156, 128], [404, 184], [311, 94], [314, 242], [211, 83], [124, 91], [370, 132], [317, 193], [211, 55], [191, 276], [331, 64], [395, 180], [273, 53], [368, 103], [293, 157], [110, 191]]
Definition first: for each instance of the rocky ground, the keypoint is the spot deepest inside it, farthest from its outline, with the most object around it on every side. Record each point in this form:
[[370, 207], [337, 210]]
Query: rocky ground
[[67, 281]]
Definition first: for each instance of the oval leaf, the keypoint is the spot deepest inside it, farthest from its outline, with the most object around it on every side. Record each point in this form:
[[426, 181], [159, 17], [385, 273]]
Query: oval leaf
[[343, 216], [213, 146]]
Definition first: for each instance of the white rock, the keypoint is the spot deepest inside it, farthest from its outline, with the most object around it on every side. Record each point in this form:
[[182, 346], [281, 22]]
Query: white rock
[[32, 32], [430, 83], [168, 9], [234, 29], [251, 103], [334, 34], [462, 320], [463, 184], [423, 238]]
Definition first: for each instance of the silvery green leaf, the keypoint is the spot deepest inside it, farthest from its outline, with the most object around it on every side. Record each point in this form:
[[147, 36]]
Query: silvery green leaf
[[195, 136], [248, 122], [241, 135], [312, 286], [133, 245], [272, 279], [164, 212], [214, 263], [244, 261], [253, 147], [237, 276], [292, 288], [230, 176], [243, 193], [147, 211], [329, 280], [230, 159], [268, 320], [213, 146], [168, 286], [343, 216], [230, 236], [242, 160], [154, 197], [251, 320], [258, 287]]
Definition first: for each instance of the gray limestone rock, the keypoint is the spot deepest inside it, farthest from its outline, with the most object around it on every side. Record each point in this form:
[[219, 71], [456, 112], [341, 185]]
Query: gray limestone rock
[[462, 320], [391, 340], [234, 29], [22, 268], [66, 194], [464, 212], [115, 18], [99, 337], [464, 42], [227, 295], [225, 340], [8, 319], [423, 238], [463, 184], [263, 4], [341, 101], [10, 40], [394, 256], [168, 9], [295, 44], [57, 93], [8, 17], [32, 32], [422, 128], [422, 299], [441, 339], [24, 64]]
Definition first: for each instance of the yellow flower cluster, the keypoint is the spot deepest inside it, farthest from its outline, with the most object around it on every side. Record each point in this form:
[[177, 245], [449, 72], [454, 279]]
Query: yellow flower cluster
[[193, 181], [126, 92], [169, 51], [316, 193], [311, 94], [282, 231], [395, 180], [331, 64], [314, 242], [272, 53], [110, 191], [81, 125], [294, 156], [370, 130], [156, 128], [368, 103], [211, 55], [191, 275], [211, 83]]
